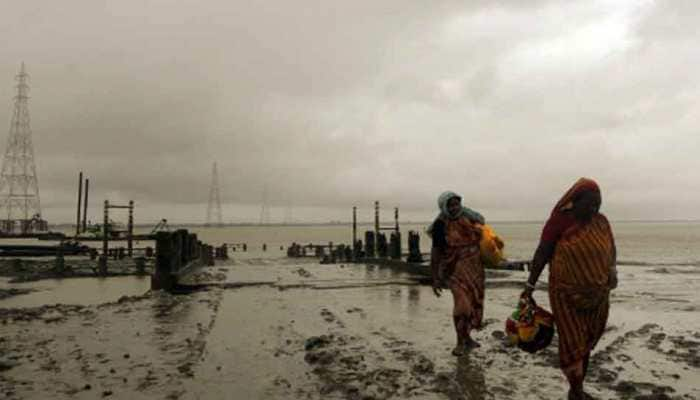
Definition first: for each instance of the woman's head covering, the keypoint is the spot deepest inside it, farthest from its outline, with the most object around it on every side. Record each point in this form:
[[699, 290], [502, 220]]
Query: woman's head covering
[[444, 199], [562, 223], [466, 212], [567, 201]]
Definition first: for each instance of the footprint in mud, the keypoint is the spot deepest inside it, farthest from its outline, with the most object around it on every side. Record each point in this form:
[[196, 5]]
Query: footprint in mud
[[329, 317], [609, 363], [352, 367], [357, 310]]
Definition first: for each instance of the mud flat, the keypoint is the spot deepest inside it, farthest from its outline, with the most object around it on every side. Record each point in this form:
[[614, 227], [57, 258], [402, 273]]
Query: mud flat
[[281, 329]]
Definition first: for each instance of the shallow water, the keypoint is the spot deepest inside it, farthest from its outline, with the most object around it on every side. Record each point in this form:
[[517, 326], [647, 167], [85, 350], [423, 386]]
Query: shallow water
[[83, 291], [642, 244]]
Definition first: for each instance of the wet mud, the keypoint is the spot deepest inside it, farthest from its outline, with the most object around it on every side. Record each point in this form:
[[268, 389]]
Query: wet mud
[[284, 330]]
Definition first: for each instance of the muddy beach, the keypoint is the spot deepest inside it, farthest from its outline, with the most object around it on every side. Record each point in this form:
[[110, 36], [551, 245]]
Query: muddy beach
[[277, 328]]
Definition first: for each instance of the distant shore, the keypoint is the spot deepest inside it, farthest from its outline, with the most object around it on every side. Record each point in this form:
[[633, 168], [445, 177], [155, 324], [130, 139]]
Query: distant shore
[[68, 226]]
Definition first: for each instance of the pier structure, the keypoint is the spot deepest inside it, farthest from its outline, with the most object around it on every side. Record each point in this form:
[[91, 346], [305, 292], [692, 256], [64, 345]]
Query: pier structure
[[108, 231]]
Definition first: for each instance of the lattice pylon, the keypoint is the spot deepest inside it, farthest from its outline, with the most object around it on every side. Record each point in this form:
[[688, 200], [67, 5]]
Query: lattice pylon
[[214, 205], [19, 186]]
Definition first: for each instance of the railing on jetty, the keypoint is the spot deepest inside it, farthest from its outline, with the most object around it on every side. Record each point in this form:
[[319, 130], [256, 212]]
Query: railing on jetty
[[179, 253]]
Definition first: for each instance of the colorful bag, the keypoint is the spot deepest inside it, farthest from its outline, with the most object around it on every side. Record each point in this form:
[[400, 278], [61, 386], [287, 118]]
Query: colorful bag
[[530, 327], [491, 247]]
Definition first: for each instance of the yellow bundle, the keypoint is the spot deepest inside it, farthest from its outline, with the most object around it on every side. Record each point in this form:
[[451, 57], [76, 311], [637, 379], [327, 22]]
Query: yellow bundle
[[491, 247]]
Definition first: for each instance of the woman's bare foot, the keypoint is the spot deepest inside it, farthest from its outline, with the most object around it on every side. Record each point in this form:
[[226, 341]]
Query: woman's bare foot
[[579, 395], [471, 344]]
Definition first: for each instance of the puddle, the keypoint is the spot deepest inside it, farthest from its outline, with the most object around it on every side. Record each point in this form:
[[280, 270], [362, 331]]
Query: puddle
[[82, 291]]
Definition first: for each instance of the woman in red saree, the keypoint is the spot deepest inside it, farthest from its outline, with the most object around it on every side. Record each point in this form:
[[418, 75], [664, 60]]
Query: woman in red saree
[[456, 263], [579, 246]]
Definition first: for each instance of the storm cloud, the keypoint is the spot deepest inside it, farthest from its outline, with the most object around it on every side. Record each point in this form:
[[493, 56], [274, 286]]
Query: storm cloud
[[326, 105]]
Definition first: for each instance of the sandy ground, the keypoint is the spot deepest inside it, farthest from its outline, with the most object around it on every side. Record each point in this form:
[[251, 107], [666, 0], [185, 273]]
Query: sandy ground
[[274, 328]]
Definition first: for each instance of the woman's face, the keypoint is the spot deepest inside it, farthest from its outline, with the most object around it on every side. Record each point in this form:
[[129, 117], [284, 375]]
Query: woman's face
[[454, 205], [586, 206]]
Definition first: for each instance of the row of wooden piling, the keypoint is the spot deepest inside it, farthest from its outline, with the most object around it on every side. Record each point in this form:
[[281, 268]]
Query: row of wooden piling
[[360, 251], [179, 252]]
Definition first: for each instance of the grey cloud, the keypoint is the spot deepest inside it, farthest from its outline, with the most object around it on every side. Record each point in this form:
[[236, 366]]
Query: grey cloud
[[329, 105]]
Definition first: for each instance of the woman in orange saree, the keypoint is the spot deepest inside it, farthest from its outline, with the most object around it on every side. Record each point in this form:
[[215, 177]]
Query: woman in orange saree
[[456, 264], [579, 246]]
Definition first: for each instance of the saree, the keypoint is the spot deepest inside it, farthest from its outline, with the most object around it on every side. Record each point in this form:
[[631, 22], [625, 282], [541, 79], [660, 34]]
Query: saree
[[464, 273], [579, 278]]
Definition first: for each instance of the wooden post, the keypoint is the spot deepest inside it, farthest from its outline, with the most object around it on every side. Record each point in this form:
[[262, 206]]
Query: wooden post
[[382, 247], [130, 230], [80, 198], [398, 234], [178, 251], [140, 265], [396, 219], [105, 239], [162, 278], [85, 204], [376, 226], [395, 246], [414, 254], [370, 244], [192, 246], [354, 231]]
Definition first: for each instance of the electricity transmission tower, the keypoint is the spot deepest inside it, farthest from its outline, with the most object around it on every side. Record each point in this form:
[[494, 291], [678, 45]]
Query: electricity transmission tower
[[214, 206], [19, 187]]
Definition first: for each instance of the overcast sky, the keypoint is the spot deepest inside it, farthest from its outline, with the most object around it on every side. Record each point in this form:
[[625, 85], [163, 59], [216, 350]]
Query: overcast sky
[[331, 104]]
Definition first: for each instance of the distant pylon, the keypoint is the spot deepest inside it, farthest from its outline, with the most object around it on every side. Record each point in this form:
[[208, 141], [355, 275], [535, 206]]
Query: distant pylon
[[265, 210], [19, 186], [214, 206]]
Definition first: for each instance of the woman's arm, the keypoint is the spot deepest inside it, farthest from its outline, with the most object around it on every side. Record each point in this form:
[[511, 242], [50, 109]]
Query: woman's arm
[[542, 256], [613, 267], [436, 254]]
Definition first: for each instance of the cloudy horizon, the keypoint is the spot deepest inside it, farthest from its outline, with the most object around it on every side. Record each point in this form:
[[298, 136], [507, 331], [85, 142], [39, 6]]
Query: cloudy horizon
[[334, 104]]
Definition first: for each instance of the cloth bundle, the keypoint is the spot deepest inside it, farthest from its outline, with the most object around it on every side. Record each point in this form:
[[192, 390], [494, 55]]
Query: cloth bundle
[[491, 247], [530, 326]]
